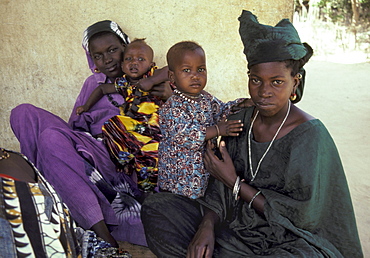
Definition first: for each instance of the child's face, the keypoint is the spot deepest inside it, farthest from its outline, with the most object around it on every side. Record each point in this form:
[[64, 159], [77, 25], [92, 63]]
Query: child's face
[[137, 60], [190, 74]]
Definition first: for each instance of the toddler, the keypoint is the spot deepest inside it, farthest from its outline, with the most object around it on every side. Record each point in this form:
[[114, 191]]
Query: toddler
[[189, 118]]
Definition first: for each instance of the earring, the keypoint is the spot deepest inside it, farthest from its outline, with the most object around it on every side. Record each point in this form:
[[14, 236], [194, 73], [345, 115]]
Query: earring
[[96, 70], [299, 76], [293, 97]]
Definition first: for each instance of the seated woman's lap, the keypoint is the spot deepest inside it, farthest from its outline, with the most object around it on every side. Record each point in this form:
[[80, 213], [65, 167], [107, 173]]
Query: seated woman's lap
[[171, 222], [27, 122], [65, 159], [170, 218]]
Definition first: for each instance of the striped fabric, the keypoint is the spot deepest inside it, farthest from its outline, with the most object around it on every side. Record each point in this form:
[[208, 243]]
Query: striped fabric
[[33, 220]]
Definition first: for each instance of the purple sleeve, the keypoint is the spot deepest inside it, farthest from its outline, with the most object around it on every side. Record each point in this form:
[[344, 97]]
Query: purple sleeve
[[93, 120]]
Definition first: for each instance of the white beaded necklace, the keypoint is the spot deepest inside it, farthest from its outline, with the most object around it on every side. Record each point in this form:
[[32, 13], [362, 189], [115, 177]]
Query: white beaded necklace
[[187, 97], [254, 174]]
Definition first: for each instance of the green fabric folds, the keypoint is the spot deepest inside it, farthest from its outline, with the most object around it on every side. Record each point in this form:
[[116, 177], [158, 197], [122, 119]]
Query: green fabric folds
[[264, 43], [308, 208]]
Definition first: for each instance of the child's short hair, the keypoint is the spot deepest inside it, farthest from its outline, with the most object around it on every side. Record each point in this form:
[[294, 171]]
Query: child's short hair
[[178, 49], [139, 40], [142, 41]]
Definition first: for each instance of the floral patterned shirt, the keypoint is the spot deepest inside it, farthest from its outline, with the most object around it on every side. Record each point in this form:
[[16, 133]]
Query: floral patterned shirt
[[183, 126]]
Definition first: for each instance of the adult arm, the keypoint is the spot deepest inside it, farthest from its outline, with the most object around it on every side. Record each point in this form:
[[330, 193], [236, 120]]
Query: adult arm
[[96, 95], [224, 171], [158, 84], [162, 90], [159, 76]]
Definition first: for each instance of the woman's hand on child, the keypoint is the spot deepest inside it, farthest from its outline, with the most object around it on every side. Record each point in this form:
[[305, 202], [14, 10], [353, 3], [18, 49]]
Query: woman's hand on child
[[222, 169], [146, 84], [230, 127], [162, 90]]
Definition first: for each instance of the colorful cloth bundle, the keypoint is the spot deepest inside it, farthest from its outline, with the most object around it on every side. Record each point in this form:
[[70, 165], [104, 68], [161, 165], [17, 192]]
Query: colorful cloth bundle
[[132, 137]]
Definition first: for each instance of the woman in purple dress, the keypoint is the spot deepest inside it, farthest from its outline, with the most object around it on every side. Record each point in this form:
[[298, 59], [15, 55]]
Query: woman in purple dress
[[72, 156]]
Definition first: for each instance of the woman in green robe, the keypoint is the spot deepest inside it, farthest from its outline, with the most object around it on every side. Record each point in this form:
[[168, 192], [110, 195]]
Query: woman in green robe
[[279, 189]]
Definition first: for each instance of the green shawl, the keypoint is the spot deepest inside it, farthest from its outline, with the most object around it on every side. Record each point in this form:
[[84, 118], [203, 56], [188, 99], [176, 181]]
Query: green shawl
[[308, 209]]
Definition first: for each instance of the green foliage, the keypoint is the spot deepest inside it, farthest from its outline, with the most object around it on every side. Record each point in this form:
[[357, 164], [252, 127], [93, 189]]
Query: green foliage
[[365, 7], [340, 11], [335, 10]]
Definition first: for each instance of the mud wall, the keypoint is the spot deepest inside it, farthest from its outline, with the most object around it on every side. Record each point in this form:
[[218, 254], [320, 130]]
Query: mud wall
[[43, 63]]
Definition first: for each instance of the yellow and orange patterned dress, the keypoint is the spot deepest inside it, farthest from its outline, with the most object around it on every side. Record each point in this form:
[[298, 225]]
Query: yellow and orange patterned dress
[[133, 136]]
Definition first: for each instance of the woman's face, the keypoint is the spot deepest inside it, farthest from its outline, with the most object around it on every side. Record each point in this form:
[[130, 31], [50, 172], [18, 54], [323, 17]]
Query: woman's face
[[106, 51], [190, 74], [270, 86]]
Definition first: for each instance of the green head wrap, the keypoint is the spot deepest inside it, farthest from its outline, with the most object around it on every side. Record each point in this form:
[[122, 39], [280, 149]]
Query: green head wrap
[[264, 43]]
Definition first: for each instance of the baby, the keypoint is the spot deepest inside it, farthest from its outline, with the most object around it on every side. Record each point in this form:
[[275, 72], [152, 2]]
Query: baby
[[133, 136]]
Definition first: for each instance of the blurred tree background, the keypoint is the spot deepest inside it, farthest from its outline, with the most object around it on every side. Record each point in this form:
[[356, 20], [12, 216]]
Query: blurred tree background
[[347, 12], [336, 24]]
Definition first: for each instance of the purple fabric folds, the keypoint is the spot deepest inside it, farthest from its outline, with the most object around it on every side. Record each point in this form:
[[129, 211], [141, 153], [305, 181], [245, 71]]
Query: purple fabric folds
[[78, 165]]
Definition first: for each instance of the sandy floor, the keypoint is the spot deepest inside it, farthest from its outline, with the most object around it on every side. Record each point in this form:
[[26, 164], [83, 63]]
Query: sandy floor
[[338, 94]]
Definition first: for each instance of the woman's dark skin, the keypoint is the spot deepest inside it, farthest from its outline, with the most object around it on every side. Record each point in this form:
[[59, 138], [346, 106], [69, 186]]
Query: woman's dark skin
[[106, 51], [270, 86]]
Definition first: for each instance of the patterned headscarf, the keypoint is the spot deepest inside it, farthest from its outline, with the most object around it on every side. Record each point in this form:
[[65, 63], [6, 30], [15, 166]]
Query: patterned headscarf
[[109, 26], [264, 43]]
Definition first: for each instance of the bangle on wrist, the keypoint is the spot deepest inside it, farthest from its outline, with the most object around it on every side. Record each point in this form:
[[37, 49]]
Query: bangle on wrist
[[236, 188], [254, 197], [218, 132]]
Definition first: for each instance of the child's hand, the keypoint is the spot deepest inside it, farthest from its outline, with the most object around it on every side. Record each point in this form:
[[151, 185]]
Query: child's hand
[[230, 127], [244, 104], [81, 109]]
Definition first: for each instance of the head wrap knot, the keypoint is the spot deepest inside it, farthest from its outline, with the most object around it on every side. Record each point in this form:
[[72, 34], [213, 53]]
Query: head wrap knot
[[265, 43]]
